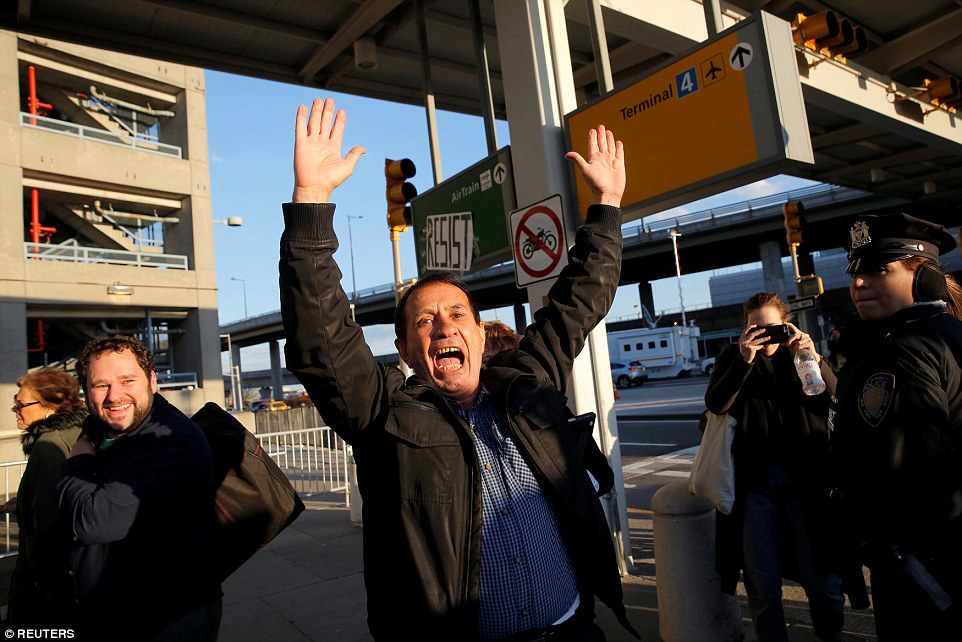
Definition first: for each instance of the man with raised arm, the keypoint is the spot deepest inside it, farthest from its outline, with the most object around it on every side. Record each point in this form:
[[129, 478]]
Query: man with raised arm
[[481, 518]]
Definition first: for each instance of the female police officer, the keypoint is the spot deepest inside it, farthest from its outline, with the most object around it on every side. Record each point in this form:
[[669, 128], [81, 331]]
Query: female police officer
[[897, 447]]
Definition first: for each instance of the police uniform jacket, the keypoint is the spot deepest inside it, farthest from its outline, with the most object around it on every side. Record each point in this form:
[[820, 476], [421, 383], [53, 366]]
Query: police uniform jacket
[[897, 446], [417, 468]]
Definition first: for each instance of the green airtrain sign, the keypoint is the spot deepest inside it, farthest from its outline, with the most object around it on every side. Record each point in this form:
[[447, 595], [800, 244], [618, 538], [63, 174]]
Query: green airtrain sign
[[461, 224]]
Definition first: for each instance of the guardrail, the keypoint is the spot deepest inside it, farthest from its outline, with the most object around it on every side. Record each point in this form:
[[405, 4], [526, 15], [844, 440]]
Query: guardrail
[[176, 380], [316, 460], [10, 474], [814, 196], [80, 254], [99, 135]]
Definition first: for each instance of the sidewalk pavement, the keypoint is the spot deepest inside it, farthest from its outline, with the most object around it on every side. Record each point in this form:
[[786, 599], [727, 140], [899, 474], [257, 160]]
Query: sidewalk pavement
[[307, 585]]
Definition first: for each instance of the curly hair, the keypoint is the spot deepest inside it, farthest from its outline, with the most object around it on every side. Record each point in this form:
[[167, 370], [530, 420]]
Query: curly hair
[[117, 343], [54, 388]]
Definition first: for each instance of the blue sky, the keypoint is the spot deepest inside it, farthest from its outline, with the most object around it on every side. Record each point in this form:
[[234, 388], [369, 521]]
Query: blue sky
[[250, 126]]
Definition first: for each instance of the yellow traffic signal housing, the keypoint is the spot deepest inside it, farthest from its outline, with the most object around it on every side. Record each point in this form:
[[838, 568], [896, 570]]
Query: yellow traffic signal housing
[[793, 211], [399, 192], [810, 285], [830, 32], [944, 91]]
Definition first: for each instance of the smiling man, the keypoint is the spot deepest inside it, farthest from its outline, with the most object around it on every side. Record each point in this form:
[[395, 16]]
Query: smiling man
[[137, 494], [481, 520]]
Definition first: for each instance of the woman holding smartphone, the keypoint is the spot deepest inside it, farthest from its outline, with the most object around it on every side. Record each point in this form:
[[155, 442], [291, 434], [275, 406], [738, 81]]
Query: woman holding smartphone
[[781, 443]]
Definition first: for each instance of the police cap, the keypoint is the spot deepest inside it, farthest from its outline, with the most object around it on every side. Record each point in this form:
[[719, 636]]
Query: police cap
[[875, 240]]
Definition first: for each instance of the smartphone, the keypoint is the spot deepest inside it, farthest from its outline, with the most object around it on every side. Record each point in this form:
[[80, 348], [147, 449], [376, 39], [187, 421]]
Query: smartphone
[[779, 333]]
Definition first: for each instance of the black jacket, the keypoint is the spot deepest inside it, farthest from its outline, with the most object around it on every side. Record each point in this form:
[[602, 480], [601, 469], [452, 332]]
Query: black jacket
[[898, 433], [141, 513], [417, 468], [41, 593], [777, 424]]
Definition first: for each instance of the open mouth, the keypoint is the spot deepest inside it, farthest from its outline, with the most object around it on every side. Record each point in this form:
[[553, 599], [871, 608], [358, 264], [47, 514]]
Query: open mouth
[[120, 408], [448, 359]]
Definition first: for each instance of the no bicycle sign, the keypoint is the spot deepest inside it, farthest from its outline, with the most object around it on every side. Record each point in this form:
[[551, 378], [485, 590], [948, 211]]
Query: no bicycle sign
[[538, 237]]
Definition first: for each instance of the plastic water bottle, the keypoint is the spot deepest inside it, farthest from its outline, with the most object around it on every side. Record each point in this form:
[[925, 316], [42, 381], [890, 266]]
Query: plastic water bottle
[[807, 366]]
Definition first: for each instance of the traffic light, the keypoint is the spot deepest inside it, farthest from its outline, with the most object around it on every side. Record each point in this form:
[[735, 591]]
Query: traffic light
[[830, 32], [810, 285], [793, 211], [399, 192], [944, 91]]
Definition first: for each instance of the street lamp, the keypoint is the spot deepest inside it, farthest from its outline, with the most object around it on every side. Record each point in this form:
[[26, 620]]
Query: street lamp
[[244, 285], [674, 233], [350, 241], [232, 221]]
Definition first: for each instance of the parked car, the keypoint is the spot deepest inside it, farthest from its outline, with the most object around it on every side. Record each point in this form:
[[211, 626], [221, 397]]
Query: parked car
[[298, 401], [266, 405], [707, 365], [633, 373]]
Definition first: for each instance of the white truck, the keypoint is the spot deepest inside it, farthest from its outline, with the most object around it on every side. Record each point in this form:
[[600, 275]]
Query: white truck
[[665, 352]]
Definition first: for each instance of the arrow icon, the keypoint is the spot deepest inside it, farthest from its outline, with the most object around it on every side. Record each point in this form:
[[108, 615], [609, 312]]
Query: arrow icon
[[740, 57]]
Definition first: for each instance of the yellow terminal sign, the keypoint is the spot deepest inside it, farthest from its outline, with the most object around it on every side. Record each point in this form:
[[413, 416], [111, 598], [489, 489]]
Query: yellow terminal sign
[[727, 114]]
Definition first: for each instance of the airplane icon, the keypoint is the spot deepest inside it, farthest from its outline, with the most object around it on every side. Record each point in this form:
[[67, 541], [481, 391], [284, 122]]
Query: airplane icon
[[712, 73]]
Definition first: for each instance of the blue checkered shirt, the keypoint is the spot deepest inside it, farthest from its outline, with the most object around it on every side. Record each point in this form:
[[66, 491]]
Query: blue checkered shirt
[[527, 581]]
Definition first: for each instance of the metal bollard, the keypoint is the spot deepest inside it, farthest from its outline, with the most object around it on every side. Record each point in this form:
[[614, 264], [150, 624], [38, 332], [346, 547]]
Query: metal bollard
[[691, 604]]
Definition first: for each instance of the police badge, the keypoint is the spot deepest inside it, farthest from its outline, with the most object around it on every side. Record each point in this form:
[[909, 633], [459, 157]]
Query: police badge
[[876, 397], [859, 234]]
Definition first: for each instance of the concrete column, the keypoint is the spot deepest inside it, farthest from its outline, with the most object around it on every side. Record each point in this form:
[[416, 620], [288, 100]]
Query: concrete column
[[691, 604], [646, 296], [539, 89], [520, 318], [13, 309], [236, 357], [773, 276], [13, 356], [277, 378], [197, 350]]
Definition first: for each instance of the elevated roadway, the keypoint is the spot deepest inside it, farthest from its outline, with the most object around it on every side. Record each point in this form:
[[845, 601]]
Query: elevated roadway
[[712, 239]]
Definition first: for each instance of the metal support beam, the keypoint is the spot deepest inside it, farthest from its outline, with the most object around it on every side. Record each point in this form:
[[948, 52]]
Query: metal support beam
[[484, 78], [429, 110], [599, 45]]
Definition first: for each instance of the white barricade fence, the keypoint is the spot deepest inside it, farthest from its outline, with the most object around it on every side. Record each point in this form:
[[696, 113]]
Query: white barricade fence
[[10, 474], [316, 460], [312, 456]]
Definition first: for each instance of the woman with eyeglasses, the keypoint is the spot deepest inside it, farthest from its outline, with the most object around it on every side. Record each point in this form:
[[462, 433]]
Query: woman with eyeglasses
[[49, 412]]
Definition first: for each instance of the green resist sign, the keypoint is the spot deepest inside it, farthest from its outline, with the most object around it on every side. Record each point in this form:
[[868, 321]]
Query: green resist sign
[[461, 224]]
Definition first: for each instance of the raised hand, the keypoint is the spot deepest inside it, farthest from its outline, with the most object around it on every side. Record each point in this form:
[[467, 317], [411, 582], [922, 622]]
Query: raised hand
[[604, 171], [318, 165]]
